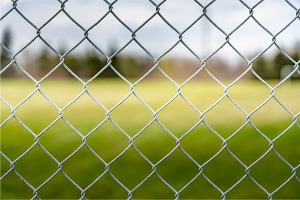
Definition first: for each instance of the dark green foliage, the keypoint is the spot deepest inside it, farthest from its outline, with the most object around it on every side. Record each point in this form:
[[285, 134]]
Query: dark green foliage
[[263, 68], [45, 60], [6, 57], [279, 61], [92, 64], [270, 68]]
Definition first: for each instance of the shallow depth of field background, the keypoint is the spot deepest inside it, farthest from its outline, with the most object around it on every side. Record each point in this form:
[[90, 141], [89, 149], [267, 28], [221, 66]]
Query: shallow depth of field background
[[131, 116], [150, 99]]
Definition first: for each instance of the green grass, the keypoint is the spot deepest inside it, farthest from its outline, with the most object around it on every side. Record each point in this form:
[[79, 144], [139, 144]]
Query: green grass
[[154, 142]]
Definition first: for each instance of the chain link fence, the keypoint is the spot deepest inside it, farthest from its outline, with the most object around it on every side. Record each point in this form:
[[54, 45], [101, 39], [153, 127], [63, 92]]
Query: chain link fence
[[148, 137]]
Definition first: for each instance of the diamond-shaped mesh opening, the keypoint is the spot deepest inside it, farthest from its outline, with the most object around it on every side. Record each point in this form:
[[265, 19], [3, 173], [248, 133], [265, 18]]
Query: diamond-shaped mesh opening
[[156, 99], [86, 170], [59, 70], [95, 62], [200, 188], [248, 145], [109, 29], [60, 92], [11, 69], [64, 30], [87, 57], [289, 139], [131, 67], [285, 35], [166, 34], [53, 188], [177, 163], [202, 94], [42, 63], [230, 15], [106, 188], [60, 136], [84, 14], [143, 9], [224, 170], [137, 111], [11, 185], [25, 36], [180, 68], [289, 190], [249, 29], [288, 94], [221, 67], [103, 141], [75, 62], [130, 169], [86, 111], [203, 38], [108, 92], [182, 113], [246, 189], [283, 14], [242, 69], [154, 142], [153, 188], [201, 143], [189, 11], [36, 122], [10, 88], [45, 11], [271, 72], [263, 173], [134, 62], [34, 171], [278, 118], [111, 69], [227, 113], [256, 94], [11, 147]]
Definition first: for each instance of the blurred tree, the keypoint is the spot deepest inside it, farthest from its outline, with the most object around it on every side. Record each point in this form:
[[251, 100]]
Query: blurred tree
[[93, 63], [6, 57], [279, 61], [115, 63], [76, 64], [271, 68], [296, 52], [131, 67], [296, 57], [45, 60], [263, 68]]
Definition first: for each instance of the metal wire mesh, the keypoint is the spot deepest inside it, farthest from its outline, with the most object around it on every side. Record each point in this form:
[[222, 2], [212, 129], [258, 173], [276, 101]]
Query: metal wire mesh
[[178, 149]]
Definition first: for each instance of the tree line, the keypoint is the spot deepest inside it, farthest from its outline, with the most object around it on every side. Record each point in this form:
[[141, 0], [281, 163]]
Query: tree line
[[91, 63], [271, 67], [83, 65]]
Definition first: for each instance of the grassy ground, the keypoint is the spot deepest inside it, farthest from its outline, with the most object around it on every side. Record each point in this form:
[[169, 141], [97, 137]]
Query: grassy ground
[[202, 143]]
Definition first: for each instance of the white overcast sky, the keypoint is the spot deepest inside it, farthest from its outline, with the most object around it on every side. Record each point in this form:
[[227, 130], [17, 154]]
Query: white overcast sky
[[203, 38]]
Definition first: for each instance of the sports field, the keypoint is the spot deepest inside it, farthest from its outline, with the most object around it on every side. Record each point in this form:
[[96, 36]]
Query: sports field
[[169, 127]]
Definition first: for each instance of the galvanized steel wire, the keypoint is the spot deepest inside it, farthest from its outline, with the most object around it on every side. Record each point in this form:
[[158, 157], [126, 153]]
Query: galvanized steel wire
[[156, 60]]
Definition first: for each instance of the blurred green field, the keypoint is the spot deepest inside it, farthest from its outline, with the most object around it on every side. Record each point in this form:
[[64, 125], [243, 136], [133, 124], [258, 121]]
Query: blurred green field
[[155, 142]]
